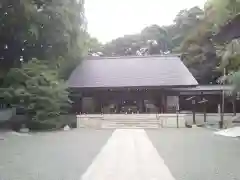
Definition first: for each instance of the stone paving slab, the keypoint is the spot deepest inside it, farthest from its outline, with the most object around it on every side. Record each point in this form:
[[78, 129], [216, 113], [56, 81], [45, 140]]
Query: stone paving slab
[[128, 155]]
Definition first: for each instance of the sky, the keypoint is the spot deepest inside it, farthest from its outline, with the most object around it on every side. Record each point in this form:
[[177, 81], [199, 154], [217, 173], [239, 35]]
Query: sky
[[109, 19]]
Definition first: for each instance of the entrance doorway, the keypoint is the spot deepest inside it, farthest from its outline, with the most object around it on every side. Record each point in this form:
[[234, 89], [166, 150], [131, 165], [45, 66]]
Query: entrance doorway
[[129, 107]]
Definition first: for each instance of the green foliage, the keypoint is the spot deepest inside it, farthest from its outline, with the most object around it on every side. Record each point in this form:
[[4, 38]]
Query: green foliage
[[230, 55], [40, 29], [234, 79], [38, 90], [122, 45], [191, 35], [93, 44], [231, 63], [220, 11], [198, 45], [186, 22], [153, 39], [52, 31]]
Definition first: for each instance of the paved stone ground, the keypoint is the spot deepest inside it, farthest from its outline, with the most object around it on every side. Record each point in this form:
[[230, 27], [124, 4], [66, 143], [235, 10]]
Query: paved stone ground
[[190, 154], [49, 156], [198, 154]]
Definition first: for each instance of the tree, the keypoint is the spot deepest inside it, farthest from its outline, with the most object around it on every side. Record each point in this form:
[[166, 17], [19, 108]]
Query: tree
[[40, 29], [229, 51], [234, 79], [36, 88], [53, 31], [127, 45], [220, 11], [185, 22], [93, 45], [153, 39], [159, 39], [230, 61], [191, 34], [198, 45], [200, 53]]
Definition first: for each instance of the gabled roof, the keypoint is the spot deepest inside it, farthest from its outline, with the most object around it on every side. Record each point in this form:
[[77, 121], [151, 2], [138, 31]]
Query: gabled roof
[[139, 71]]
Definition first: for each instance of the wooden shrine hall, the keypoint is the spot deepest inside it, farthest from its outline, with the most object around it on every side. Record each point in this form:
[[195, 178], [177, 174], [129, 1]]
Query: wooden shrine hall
[[138, 84]]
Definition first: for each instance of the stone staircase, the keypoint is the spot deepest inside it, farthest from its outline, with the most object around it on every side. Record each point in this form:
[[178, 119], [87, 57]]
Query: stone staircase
[[131, 121], [132, 124], [125, 121]]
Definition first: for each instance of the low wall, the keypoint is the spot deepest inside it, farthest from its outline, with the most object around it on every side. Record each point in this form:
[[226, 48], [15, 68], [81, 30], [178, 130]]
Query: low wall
[[89, 121], [6, 114], [99, 121]]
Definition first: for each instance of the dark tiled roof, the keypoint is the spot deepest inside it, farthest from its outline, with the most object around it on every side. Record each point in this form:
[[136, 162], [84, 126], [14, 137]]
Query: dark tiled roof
[[146, 71]]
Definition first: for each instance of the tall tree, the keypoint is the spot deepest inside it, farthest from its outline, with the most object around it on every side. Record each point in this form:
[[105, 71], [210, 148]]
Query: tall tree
[[220, 11], [40, 29], [152, 39], [185, 22], [190, 34], [159, 39], [198, 45]]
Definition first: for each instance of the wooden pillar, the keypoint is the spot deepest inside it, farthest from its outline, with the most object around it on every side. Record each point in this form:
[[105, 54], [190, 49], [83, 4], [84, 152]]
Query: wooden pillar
[[221, 117], [194, 110], [118, 106], [164, 103], [101, 107], [205, 112], [143, 107], [203, 103], [80, 106], [222, 110], [160, 104], [234, 106], [96, 105], [140, 106]]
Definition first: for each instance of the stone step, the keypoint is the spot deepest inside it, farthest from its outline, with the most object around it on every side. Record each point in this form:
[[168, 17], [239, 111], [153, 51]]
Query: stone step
[[143, 122], [132, 124], [137, 118], [136, 123], [131, 120], [123, 126]]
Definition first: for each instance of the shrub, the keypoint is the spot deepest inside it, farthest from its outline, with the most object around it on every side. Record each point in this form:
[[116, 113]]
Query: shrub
[[38, 90]]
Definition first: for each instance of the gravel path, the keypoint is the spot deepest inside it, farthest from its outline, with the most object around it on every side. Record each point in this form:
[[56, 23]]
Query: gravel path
[[198, 154], [190, 154], [49, 156]]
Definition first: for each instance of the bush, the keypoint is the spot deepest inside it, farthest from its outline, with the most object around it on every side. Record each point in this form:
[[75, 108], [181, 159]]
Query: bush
[[38, 125], [37, 90], [53, 124]]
